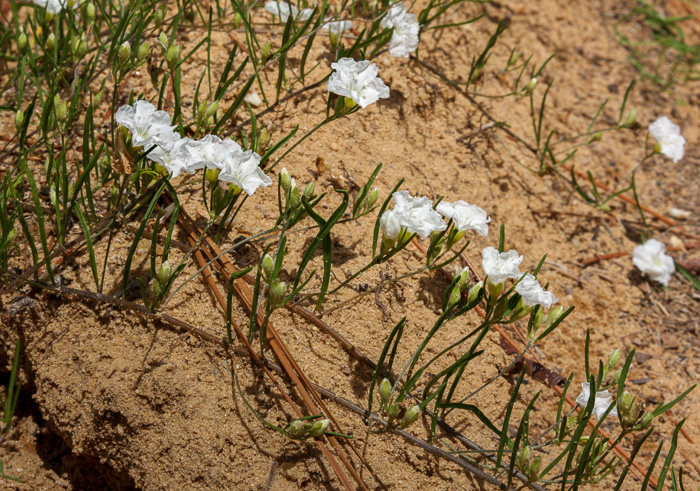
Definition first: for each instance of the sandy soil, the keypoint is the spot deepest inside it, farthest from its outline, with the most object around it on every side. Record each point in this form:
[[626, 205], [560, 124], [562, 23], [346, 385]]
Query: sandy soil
[[113, 400]]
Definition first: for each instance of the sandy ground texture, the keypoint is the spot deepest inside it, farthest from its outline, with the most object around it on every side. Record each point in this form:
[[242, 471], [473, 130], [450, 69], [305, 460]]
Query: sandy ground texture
[[114, 400]]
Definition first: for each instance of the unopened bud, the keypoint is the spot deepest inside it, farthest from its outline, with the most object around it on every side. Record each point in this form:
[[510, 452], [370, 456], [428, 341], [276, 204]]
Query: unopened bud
[[514, 57], [309, 191], [98, 98], [22, 42], [294, 199], [392, 412], [553, 315], [297, 428], [277, 291], [646, 421], [596, 137], [372, 198], [616, 377], [50, 42], [266, 51], [474, 292], [631, 117], [411, 416], [534, 470], [237, 20], [164, 41], [165, 272], [285, 179], [625, 402], [212, 108], [530, 86], [124, 52], [159, 18], [144, 51], [264, 139], [268, 266], [319, 428], [385, 391], [90, 12], [455, 297], [173, 55], [19, 120], [614, 358], [11, 236]]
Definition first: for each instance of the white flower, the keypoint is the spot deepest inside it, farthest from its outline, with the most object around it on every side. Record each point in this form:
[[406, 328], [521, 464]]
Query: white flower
[[500, 266], [210, 152], [652, 261], [243, 170], [253, 98], [357, 80], [282, 9], [404, 39], [465, 216], [602, 401], [668, 135], [533, 294], [390, 224], [172, 155], [147, 125], [55, 6], [337, 27], [416, 215]]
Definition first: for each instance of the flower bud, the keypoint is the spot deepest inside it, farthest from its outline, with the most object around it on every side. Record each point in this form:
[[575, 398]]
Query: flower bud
[[90, 13], [159, 18], [237, 20], [319, 428], [616, 377], [144, 51], [524, 458], [294, 198], [22, 42], [534, 470], [98, 98], [614, 358], [172, 56], [285, 179], [385, 391], [597, 136], [631, 117], [164, 272], [19, 120], [309, 191], [530, 86], [372, 198], [297, 428], [474, 292], [268, 266], [212, 108], [11, 236], [264, 139], [411, 415], [553, 315], [164, 41], [124, 52], [646, 421], [277, 291], [267, 49], [455, 297], [514, 57], [392, 412], [50, 42]]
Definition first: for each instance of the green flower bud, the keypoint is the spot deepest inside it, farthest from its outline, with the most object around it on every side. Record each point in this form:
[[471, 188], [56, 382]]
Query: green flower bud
[[154, 290], [268, 266], [237, 20], [524, 459], [22, 42], [212, 108], [411, 416], [616, 377], [19, 120], [625, 403], [165, 272], [50, 42], [392, 412], [309, 191], [596, 137], [267, 49], [82, 48], [530, 86], [646, 421], [614, 359], [297, 429], [172, 56], [278, 290], [534, 470], [372, 198], [294, 199], [124, 52], [159, 18], [164, 41], [285, 179], [98, 98], [385, 391], [11, 236], [144, 52], [553, 315], [319, 428], [455, 297], [264, 139], [514, 57], [631, 117], [474, 292], [90, 13]]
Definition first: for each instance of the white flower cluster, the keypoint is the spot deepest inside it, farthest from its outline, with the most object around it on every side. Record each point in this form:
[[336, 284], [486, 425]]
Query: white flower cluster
[[284, 9], [652, 261], [602, 400], [357, 80], [55, 6], [150, 127], [404, 39], [499, 267], [668, 135]]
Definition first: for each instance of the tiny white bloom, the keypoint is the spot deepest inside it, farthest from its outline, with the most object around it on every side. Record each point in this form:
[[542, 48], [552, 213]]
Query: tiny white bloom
[[283, 9], [253, 98], [173, 156], [533, 294], [404, 39], [357, 80], [465, 216], [390, 224], [243, 170], [55, 6], [147, 125], [416, 215], [500, 266], [652, 261], [669, 137], [337, 27], [602, 400]]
